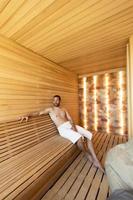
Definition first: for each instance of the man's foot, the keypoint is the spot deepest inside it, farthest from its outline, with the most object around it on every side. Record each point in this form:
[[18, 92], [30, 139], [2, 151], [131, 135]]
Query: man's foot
[[98, 165]]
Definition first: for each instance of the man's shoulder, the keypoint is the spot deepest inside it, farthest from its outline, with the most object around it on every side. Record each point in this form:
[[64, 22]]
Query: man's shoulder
[[49, 108]]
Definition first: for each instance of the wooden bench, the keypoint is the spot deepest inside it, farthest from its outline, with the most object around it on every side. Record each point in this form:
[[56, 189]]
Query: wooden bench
[[32, 157], [81, 180]]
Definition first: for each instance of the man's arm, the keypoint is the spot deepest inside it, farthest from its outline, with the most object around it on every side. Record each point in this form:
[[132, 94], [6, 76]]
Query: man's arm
[[37, 113], [71, 120], [45, 111], [73, 124]]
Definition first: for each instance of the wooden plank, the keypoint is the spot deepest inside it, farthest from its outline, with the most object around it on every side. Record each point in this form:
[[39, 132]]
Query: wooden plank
[[65, 188], [90, 183], [102, 140], [86, 185], [65, 39], [116, 138], [95, 186], [104, 150], [17, 137], [32, 170], [24, 161], [103, 189], [51, 193], [102, 72], [28, 82], [120, 139], [57, 186], [41, 179], [77, 184], [98, 140]]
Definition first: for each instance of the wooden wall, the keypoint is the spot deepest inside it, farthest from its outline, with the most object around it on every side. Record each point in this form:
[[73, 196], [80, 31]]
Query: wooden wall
[[108, 59], [72, 33], [130, 86], [28, 81]]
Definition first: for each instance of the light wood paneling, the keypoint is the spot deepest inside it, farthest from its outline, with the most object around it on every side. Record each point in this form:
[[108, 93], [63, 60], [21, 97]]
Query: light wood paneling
[[28, 82], [70, 31], [32, 157], [102, 60], [17, 137], [82, 180], [130, 86]]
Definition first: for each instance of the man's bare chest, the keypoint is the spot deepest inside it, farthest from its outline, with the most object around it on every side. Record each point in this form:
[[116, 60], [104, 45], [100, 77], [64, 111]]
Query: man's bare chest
[[57, 114]]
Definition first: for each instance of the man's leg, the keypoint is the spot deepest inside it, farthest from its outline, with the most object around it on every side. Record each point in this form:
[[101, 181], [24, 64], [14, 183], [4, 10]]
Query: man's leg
[[75, 137], [90, 148], [81, 146]]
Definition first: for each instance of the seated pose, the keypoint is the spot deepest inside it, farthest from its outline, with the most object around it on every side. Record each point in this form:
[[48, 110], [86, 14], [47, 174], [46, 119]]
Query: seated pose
[[68, 129]]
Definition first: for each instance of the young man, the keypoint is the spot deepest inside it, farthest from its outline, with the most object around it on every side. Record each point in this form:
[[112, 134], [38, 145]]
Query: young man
[[68, 129]]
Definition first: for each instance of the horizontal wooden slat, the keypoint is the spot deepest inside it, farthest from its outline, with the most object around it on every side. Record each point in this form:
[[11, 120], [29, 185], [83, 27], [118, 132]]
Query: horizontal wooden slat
[[82, 180], [23, 166], [29, 81], [71, 33], [17, 137]]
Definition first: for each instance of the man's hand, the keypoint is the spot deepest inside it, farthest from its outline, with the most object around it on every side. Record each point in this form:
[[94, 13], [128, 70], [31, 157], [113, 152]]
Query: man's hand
[[33, 114], [26, 118], [75, 129], [73, 126]]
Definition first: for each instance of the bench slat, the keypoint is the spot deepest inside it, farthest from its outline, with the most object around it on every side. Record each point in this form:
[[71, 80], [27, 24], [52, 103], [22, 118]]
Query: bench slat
[[89, 182], [16, 137], [51, 193], [28, 152]]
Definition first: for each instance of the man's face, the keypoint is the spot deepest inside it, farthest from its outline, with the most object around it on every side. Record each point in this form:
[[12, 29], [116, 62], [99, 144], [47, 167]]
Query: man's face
[[56, 101]]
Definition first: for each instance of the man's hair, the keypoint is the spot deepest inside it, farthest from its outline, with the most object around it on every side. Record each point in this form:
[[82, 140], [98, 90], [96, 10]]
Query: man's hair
[[57, 97]]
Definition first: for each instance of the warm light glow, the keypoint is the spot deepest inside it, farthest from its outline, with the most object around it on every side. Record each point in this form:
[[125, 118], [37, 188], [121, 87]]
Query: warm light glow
[[95, 102], [107, 100], [121, 100], [85, 101]]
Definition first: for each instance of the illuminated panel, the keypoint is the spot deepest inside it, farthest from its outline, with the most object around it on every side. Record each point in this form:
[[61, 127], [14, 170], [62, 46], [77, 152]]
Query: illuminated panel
[[85, 101], [95, 102], [107, 100], [121, 100]]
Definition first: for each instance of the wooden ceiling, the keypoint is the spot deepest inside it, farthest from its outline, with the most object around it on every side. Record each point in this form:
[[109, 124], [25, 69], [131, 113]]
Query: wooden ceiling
[[81, 35]]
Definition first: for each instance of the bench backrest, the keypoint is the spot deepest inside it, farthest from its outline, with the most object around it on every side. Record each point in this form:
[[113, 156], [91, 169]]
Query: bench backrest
[[16, 137]]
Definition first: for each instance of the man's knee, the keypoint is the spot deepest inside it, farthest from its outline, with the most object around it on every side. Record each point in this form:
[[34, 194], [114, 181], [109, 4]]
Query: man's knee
[[81, 144], [79, 141]]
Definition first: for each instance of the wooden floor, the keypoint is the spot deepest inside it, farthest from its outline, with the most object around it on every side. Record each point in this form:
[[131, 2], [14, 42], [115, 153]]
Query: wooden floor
[[82, 181]]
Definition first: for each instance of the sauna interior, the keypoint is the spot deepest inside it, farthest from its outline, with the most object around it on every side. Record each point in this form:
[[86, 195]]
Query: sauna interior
[[83, 51]]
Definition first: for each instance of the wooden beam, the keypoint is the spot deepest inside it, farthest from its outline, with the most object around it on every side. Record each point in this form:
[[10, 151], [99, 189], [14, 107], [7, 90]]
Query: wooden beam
[[129, 86], [103, 72]]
